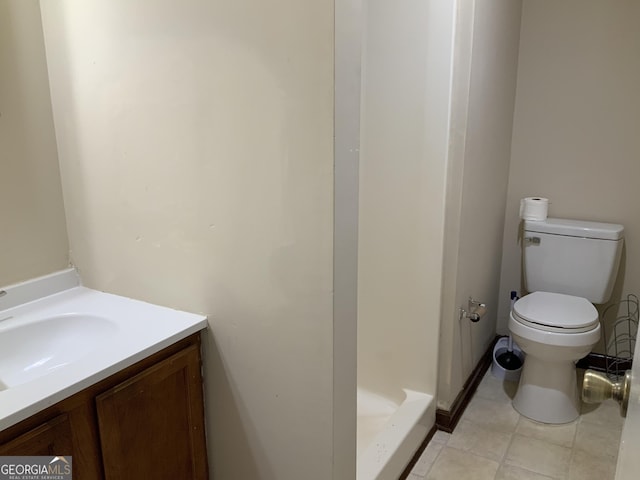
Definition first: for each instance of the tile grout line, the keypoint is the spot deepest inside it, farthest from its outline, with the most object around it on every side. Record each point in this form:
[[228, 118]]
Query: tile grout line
[[504, 457], [435, 458], [573, 444], [444, 444]]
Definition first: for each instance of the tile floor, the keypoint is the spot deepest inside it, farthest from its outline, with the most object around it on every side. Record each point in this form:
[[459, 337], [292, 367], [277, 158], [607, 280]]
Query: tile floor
[[494, 442]]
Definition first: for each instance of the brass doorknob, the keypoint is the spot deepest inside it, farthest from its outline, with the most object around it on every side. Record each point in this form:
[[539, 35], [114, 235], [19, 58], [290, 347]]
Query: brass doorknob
[[596, 388]]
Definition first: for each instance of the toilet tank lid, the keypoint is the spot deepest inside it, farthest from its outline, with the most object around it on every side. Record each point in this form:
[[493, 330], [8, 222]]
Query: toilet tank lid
[[576, 228]]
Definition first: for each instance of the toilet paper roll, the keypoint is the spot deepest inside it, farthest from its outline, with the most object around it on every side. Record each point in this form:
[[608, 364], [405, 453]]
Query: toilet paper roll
[[534, 208], [480, 311]]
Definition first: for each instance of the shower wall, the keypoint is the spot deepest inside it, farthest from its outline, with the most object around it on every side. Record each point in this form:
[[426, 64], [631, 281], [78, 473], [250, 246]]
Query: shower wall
[[33, 239], [405, 117], [485, 67]]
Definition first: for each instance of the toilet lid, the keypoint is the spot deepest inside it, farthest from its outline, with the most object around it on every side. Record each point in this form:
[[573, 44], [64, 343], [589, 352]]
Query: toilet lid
[[556, 312]]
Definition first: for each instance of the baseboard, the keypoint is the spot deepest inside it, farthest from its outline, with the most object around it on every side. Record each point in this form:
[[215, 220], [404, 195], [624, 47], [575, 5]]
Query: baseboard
[[416, 456], [447, 420], [598, 362]]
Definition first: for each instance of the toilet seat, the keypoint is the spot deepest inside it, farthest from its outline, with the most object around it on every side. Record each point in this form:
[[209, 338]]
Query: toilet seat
[[556, 312]]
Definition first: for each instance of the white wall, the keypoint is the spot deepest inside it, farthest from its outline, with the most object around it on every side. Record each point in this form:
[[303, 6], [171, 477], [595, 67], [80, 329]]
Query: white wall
[[196, 149], [405, 117], [484, 89], [575, 134], [33, 239]]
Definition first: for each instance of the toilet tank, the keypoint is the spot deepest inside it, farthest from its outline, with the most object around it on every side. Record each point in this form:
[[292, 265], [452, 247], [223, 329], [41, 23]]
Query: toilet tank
[[572, 257]]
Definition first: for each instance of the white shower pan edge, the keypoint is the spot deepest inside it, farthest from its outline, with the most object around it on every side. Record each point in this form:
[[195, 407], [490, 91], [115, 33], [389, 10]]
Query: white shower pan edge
[[390, 450]]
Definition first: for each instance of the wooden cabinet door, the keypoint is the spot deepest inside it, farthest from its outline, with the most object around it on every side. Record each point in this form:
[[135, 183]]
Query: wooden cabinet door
[[152, 425], [50, 438]]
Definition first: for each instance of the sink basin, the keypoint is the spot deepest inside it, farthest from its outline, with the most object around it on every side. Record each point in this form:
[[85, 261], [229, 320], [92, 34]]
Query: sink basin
[[31, 350], [58, 338]]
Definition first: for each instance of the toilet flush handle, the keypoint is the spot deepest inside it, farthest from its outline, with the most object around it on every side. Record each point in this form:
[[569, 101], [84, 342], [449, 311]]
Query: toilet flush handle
[[597, 388]]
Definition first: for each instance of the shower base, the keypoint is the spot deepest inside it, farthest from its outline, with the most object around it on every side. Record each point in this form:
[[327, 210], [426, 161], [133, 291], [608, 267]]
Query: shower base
[[390, 433]]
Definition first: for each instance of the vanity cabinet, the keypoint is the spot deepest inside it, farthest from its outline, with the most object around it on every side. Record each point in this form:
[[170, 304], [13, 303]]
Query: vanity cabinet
[[146, 421], [156, 415], [46, 439]]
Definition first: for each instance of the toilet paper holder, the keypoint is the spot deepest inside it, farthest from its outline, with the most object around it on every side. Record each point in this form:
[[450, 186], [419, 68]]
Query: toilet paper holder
[[475, 310]]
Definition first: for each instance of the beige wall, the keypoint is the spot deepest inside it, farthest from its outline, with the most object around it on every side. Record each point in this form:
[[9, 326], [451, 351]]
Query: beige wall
[[482, 112], [576, 131], [196, 149], [33, 240], [405, 110]]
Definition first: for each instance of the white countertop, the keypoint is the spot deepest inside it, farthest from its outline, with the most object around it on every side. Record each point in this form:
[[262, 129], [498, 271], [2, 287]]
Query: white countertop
[[136, 330]]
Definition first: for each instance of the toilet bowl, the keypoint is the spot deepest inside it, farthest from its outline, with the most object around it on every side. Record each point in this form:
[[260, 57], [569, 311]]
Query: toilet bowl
[[554, 330]]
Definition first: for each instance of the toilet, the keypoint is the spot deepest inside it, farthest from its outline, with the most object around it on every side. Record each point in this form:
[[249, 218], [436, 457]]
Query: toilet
[[568, 266]]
